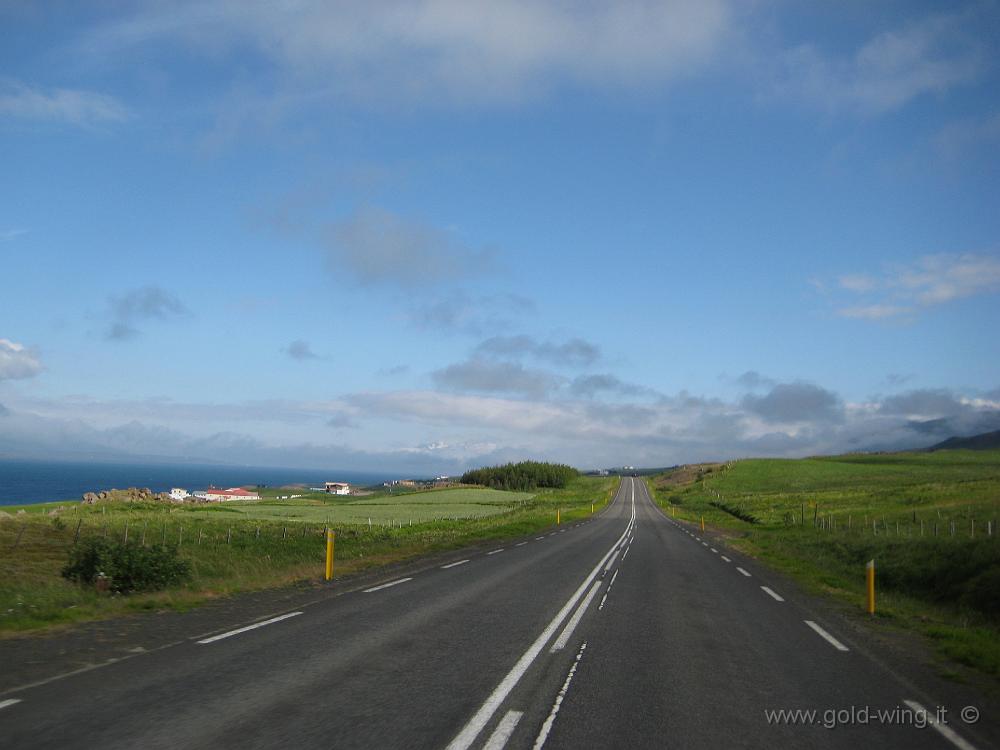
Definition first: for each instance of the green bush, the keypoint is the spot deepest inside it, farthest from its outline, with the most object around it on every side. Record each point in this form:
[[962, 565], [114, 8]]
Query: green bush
[[129, 567], [524, 476]]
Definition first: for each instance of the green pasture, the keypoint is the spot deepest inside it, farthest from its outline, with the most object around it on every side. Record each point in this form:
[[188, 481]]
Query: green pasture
[[238, 546]]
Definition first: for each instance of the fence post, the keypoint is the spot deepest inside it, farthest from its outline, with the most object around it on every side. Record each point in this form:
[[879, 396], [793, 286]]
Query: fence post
[[329, 553], [76, 534], [870, 585], [125, 537]]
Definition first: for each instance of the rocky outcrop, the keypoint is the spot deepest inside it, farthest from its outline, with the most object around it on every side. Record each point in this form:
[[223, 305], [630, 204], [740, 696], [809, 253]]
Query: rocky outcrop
[[132, 494]]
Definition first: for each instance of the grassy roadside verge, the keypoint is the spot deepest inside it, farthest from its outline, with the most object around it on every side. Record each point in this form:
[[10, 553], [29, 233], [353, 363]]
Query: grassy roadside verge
[[252, 549], [927, 519]]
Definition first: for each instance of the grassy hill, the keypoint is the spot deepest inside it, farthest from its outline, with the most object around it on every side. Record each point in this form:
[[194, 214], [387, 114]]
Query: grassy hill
[[928, 519], [984, 442]]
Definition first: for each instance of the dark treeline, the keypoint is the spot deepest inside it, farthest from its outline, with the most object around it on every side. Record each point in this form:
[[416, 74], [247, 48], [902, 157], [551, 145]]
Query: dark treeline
[[526, 475]]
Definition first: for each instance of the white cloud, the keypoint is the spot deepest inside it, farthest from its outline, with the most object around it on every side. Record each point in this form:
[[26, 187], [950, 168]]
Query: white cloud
[[6, 235], [75, 106], [929, 56], [429, 51], [17, 362], [935, 279], [873, 312], [928, 281], [452, 430]]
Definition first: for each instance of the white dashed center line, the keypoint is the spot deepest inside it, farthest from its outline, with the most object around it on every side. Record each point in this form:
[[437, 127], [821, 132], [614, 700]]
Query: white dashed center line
[[725, 558], [494, 552], [772, 594], [743, 572], [826, 636], [452, 565], [9, 702]]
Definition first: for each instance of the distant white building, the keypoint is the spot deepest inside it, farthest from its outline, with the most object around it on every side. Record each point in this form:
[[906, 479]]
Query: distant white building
[[179, 493], [233, 493], [338, 488]]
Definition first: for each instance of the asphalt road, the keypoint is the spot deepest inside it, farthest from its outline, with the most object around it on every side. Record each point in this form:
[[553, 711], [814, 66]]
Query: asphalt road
[[626, 631]]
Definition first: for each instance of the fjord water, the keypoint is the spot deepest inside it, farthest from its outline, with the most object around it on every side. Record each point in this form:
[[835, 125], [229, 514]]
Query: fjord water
[[44, 481]]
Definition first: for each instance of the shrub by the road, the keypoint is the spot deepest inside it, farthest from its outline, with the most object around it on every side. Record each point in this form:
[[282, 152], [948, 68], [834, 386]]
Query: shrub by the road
[[130, 567]]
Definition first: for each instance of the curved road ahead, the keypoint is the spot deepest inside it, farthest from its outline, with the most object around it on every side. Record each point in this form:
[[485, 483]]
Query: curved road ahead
[[626, 631]]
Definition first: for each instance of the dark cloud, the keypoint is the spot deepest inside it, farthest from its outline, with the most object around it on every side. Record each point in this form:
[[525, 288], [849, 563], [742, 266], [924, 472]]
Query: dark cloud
[[484, 376], [894, 379], [300, 350], [796, 402], [588, 386], [460, 312], [142, 304], [574, 352], [341, 421], [395, 370], [753, 380], [378, 247], [925, 402]]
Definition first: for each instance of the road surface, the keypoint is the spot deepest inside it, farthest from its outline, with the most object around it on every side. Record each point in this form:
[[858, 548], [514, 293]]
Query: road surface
[[628, 630]]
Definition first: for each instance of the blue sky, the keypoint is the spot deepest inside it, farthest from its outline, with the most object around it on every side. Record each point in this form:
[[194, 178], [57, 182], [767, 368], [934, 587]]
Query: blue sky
[[429, 235]]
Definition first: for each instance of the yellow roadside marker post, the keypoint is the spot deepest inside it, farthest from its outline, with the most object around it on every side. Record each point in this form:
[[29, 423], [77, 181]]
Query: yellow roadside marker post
[[703, 523], [870, 585], [591, 509], [329, 553], [557, 517]]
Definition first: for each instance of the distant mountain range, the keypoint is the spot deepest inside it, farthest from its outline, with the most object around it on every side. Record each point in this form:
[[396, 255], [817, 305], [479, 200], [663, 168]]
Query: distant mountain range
[[985, 441]]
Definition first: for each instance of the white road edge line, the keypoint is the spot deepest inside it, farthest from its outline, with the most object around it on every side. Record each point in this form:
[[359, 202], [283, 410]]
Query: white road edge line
[[387, 585], [564, 636], [543, 733], [947, 732], [743, 572], [520, 544], [826, 636], [464, 739], [494, 552], [773, 594], [725, 558], [9, 702], [539, 538], [256, 625], [498, 740], [452, 565], [714, 550]]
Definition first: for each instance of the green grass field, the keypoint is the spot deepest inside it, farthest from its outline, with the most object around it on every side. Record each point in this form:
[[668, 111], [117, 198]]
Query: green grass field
[[929, 520], [241, 546]]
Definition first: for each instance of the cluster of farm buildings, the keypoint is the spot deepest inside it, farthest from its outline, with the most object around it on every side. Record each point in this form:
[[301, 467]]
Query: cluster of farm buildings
[[214, 494]]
